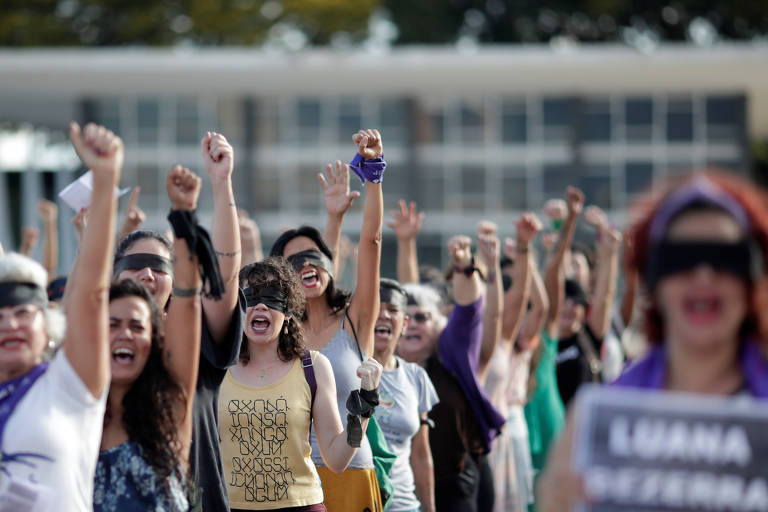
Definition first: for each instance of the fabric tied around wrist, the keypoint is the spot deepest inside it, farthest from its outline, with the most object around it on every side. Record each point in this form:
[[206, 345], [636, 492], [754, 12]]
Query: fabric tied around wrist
[[361, 403], [186, 226], [369, 170], [16, 293], [312, 257], [143, 260], [270, 296]]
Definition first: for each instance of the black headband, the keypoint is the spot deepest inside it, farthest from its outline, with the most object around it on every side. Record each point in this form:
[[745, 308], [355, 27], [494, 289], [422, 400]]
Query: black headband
[[506, 282], [575, 292], [143, 260], [270, 296], [390, 292], [16, 293], [313, 257], [742, 259]]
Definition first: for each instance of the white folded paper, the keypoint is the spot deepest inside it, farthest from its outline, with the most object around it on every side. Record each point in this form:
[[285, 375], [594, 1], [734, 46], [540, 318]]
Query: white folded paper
[[78, 193]]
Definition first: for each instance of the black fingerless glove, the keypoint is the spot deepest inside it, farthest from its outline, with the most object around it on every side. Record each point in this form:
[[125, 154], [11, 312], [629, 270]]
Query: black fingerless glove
[[361, 403]]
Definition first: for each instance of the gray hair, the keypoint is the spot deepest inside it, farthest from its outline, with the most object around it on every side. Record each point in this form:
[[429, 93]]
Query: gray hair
[[19, 268], [426, 297]]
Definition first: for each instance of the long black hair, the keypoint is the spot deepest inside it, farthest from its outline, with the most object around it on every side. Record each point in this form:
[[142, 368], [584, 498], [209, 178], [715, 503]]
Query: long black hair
[[150, 406], [337, 299]]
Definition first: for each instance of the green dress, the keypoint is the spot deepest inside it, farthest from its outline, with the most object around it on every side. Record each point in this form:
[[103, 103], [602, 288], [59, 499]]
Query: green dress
[[544, 412]]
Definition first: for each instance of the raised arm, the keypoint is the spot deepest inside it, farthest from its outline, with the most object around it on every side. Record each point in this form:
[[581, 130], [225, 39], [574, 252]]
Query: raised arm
[[406, 224], [134, 216], [631, 280], [29, 238], [536, 317], [50, 215], [489, 254], [607, 268], [554, 277], [250, 238], [86, 343], [423, 468], [218, 157], [183, 325], [331, 436], [364, 308], [338, 200], [516, 298]]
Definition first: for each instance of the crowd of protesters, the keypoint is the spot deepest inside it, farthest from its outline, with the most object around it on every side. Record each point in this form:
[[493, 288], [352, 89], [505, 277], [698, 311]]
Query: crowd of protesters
[[185, 370]]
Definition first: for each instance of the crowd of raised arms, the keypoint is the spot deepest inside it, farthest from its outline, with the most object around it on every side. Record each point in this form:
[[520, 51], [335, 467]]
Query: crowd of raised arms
[[186, 370]]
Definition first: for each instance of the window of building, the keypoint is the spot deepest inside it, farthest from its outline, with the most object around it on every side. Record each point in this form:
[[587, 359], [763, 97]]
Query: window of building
[[514, 191], [557, 178], [187, 121], [432, 193], [680, 120], [597, 121], [148, 120], [595, 182], [513, 121], [108, 113], [472, 121], [395, 125], [638, 177], [310, 194], [350, 119], [431, 122], [473, 188], [557, 117], [725, 118], [638, 119], [265, 189]]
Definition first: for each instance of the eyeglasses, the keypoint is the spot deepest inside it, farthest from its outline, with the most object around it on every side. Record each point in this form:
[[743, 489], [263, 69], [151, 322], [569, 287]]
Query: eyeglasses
[[22, 314], [421, 318]]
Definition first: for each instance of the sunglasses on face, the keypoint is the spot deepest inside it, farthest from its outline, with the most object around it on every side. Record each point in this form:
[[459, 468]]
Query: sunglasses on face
[[420, 318]]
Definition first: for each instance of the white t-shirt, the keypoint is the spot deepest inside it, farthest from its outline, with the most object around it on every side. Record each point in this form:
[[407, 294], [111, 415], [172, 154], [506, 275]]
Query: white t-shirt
[[51, 444]]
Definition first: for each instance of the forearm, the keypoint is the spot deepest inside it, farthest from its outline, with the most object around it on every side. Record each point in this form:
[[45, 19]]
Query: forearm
[[554, 278], [365, 303], [516, 299], [424, 480], [338, 454], [226, 243], [51, 249], [605, 290], [333, 226], [491, 320], [407, 261]]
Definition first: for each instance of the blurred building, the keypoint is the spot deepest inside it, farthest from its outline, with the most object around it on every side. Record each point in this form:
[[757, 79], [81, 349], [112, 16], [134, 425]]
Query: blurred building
[[479, 134]]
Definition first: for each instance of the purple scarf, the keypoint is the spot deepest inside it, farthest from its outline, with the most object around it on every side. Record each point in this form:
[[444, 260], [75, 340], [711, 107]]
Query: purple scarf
[[12, 391], [650, 372]]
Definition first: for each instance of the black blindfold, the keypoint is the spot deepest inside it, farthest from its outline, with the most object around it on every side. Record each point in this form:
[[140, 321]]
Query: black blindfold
[[742, 259], [270, 296], [143, 260], [312, 257], [575, 292], [390, 292], [18, 294]]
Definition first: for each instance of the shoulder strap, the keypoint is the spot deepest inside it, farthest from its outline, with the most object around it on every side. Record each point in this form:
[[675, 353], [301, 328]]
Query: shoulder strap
[[352, 326], [309, 374]]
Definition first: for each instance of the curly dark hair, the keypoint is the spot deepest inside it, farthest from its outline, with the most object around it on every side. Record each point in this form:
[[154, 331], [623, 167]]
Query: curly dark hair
[[149, 406], [276, 272], [337, 299]]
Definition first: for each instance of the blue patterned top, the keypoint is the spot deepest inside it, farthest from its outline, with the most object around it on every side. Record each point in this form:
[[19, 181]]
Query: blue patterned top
[[125, 482]]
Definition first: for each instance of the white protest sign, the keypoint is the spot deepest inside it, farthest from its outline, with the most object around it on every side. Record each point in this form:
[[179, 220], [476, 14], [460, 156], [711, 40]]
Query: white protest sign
[[643, 451], [78, 193]]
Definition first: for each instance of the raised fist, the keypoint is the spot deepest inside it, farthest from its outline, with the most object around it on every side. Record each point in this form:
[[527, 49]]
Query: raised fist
[[487, 227], [527, 226], [218, 157], [370, 374], [555, 209], [610, 240], [100, 150], [406, 223], [183, 188], [48, 211], [368, 144], [460, 250], [488, 247], [338, 197], [510, 248], [575, 200], [596, 217]]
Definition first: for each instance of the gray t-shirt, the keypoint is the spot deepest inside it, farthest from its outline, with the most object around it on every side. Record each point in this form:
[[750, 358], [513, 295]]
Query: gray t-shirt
[[405, 393], [344, 356]]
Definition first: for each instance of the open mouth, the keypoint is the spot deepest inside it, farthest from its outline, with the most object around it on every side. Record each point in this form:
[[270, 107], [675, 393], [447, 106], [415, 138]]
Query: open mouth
[[702, 310], [123, 355], [11, 343], [260, 324], [382, 331], [309, 278], [412, 338]]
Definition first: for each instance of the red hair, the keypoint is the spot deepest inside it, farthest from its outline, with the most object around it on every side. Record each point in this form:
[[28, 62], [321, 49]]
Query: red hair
[[755, 204]]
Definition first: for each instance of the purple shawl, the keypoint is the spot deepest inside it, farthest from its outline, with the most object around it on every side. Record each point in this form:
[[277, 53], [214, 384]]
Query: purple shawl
[[459, 351], [650, 372]]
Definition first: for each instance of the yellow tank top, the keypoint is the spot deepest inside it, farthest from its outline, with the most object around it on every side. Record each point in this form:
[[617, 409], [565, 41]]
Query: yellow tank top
[[265, 447]]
